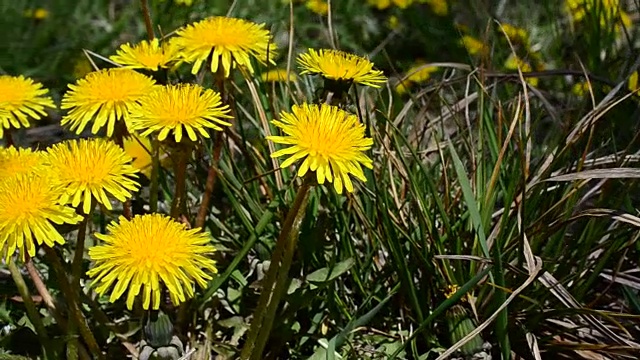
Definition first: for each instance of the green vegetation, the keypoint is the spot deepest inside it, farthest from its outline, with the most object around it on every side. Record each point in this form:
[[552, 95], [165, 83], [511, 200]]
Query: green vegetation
[[500, 216]]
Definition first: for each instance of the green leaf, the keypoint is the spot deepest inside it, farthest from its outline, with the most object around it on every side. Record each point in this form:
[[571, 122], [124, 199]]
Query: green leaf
[[328, 274]]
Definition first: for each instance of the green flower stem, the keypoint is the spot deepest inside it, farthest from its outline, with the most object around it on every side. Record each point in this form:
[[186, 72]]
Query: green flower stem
[[119, 134], [181, 154], [146, 14], [73, 303], [276, 279], [203, 210], [78, 255], [32, 312], [155, 175], [76, 274]]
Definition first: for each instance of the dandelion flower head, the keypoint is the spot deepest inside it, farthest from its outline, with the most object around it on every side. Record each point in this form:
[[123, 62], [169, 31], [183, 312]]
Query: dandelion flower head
[[36, 14], [141, 253], [180, 108], [340, 66], [515, 62], [328, 140], [92, 168], [439, 7], [139, 148], [21, 99], [232, 41], [29, 206], [473, 45], [516, 34], [415, 75], [150, 55], [320, 7], [104, 97], [21, 162]]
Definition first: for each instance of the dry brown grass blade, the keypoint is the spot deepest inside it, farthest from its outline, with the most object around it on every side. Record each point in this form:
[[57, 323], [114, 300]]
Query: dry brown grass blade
[[534, 265], [615, 215], [265, 124], [614, 173], [533, 345], [562, 294]]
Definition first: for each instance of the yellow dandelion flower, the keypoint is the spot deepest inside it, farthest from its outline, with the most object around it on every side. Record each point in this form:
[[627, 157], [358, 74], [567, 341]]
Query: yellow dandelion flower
[[178, 108], [232, 41], [91, 168], [514, 63], [341, 66], [139, 149], [415, 75], [319, 7], [37, 14], [420, 73], [632, 83], [330, 140], [141, 253], [28, 207], [278, 75], [607, 12], [104, 97], [20, 99], [149, 55], [581, 89], [393, 22], [516, 34], [380, 4], [439, 7], [20, 162], [402, 4], [473, 45]]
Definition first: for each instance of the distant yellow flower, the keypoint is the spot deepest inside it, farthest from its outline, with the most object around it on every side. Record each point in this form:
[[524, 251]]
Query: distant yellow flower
[[28, 207], [104, 97], [420, 73], [278, 75], [415, 75], [178, 108], [439, 7], [232, 41], [184, 2], [393, 22], [20, 99], [380, 4], [330, 140], [341, 66], [139, 149], [384, 4], [319, 7], [515, 63], [91, 168], [20, 162], [608, 12], [632, 83], [581, 89], [516, 34], [38, 13], [473, 45], [147, 251], [146, 55]]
